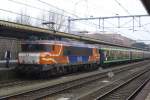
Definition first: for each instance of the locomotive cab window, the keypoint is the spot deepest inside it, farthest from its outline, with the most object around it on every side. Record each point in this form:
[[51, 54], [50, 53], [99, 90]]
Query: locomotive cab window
[[36, 48]]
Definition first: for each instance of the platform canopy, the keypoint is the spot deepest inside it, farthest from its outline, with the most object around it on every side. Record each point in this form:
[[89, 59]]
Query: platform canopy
[[11, 29], [146, 3]]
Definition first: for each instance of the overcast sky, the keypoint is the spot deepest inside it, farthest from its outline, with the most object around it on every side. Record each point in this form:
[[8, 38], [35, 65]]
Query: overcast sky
[[99, 7], [88, 8]]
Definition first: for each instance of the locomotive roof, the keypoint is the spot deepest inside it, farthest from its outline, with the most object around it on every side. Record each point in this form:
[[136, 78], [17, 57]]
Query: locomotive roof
[[78, 44], [67, 43]]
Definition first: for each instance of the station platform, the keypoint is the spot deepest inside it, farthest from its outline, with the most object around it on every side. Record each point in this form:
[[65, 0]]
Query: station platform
[[7, 73], [144, 93], [12, 64]]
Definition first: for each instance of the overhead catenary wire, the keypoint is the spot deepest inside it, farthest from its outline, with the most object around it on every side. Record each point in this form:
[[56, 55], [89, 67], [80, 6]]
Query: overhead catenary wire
[[122, 7], [31, 6], [45, 3], [129, 14]]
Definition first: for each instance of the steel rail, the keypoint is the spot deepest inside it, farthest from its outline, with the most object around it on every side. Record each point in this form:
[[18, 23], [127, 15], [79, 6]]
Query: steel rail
[[137, 90]]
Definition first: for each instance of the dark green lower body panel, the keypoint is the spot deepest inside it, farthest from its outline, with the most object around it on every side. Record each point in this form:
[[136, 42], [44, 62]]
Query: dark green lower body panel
[[121, 60]]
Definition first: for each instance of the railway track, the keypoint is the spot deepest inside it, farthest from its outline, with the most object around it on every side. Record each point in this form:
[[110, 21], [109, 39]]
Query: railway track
[[92, 90], [40, 93], [12, 83], [18, 82], [126, 90], [123, 89]]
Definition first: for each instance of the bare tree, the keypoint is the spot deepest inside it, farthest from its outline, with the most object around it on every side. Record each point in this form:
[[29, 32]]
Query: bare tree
[[23, 18], [60, 22]]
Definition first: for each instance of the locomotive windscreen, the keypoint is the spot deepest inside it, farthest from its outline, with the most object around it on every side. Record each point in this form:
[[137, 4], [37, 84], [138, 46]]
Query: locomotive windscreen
[[36, 47]]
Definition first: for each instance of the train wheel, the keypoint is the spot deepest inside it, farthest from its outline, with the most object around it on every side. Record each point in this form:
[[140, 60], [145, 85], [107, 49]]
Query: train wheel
[[60, 71], [49, 73], [69, 69], [84, 68], [53, 71], [74, 69], [65, 70]]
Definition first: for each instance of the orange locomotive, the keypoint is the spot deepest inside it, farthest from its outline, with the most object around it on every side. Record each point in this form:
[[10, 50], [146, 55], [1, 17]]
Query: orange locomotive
[[56, 57]]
